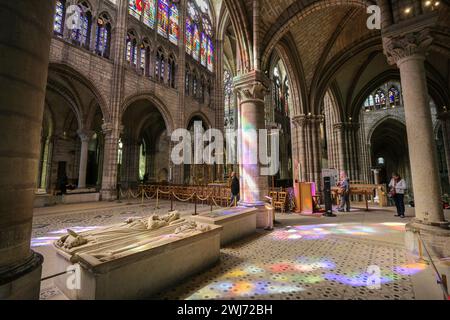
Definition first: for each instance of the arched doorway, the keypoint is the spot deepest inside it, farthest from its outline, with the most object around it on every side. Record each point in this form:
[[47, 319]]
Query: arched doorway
[[389, 146], [71, 135], [144, 147]]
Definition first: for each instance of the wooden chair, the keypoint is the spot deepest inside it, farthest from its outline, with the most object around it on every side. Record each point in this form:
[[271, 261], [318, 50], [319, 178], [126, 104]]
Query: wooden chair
[[225, 196], [281, 201], [274, 196]]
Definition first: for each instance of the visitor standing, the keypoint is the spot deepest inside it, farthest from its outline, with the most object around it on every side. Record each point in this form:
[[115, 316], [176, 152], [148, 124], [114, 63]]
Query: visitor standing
[[344, 192], [62, 184], [397, 188], [234, 189]]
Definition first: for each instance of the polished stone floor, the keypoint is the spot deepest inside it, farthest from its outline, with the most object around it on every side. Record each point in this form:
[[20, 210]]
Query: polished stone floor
[[304, 257]]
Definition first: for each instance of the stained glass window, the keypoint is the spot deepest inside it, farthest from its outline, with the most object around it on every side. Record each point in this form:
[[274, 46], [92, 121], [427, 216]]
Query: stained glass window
[[204, 49], [131, 48], [163, 17], [150, 13], [199, 32], [228, 83], [386, 96], [192, 11], [187, 82], [207, 26], [194, 86], [171, 72], [160, 66], [210, 55], [383, 98], [58, 23], [143, 58], [163, 69], [103, 37], [203, 5], [377, 99], [188, 36], [394, 96], [174, 28], [135, 8], [196, 43], [81, 36]]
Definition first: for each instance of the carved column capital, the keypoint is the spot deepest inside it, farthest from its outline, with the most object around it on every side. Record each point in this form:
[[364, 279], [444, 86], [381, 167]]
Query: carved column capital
[[251, 86], [108, 128], [299, 121], [346, 126], [85, 135], [399, 47]]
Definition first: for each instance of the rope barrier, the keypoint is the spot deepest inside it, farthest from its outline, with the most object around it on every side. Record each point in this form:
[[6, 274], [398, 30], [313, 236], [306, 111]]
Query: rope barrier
[[183, 200], [145, 192]]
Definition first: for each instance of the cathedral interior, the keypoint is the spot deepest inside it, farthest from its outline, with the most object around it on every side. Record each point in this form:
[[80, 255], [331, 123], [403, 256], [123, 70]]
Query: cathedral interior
[[93, 205]]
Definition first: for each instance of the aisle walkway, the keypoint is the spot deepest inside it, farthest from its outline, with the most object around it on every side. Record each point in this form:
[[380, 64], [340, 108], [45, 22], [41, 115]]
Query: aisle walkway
[[303, 258]]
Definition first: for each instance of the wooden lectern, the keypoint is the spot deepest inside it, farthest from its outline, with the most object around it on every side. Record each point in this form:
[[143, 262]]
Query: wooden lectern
[[304, 192]]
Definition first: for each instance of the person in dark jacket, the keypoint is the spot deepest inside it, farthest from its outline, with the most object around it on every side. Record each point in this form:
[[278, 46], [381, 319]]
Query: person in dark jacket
[[62, 184], [234, 189]]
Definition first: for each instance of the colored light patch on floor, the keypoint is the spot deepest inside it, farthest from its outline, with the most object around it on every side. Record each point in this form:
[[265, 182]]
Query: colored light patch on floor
[[52, 236], [244, 289], [358, 280], [77, 229], [321, 231], [278, 278], [410, 268], [42, 241]]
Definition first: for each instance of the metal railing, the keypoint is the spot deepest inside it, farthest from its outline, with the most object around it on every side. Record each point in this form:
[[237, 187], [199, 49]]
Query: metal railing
[[441, 279]]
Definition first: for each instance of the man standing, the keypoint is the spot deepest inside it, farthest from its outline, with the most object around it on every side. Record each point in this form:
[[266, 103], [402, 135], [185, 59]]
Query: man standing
[[234, 189], [344, 192]]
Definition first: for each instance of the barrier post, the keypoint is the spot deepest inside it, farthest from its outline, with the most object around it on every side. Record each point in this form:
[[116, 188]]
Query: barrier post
[[195, 204], [157, 199], [118, 187]]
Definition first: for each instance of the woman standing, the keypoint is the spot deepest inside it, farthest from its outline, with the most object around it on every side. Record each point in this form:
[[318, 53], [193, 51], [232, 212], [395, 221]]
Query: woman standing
[[397, 188]]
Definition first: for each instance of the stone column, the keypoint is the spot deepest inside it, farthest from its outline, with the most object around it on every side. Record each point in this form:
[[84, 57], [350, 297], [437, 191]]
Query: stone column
[[112, 127], [25, 45], [298, 148], [317, 152], [376, 179], [85, 137], [109, 178], [408, 52], [339, 128], [376, 176], [251, 88]]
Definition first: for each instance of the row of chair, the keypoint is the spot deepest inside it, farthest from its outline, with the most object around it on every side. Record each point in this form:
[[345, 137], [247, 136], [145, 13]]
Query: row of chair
[[279, 200]]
